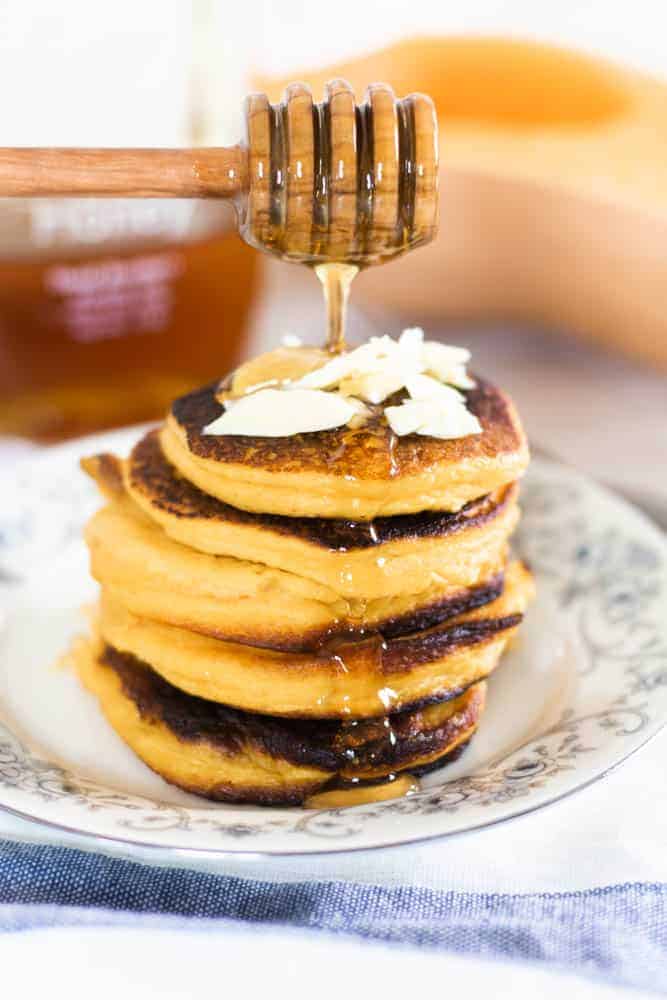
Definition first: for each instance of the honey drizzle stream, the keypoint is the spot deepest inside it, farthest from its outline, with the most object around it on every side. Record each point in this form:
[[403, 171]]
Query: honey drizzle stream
[[338, 229], [318, 195], [336, 280], [395, 787]]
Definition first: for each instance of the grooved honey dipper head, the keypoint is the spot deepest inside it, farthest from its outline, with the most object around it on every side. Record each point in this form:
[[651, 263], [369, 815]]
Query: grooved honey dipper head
[[338, 181]]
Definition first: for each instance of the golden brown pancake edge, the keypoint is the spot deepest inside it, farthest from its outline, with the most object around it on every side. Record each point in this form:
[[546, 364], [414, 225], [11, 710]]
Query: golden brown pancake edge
[[231, 756], [459, 550], [341, 473], [354, 680], [238, 601]]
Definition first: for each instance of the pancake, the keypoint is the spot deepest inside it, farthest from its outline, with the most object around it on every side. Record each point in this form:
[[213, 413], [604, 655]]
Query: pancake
[[233, 756], [363, 560], [151, 575], [359, 474], [342, 680]]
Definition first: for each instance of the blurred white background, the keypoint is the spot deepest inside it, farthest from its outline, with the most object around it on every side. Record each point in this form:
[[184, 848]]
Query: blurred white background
[[310, 33], [111, 74]]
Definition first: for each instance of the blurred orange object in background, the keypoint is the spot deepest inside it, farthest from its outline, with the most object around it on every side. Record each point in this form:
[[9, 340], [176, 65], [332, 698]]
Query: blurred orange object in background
[[553, 189]]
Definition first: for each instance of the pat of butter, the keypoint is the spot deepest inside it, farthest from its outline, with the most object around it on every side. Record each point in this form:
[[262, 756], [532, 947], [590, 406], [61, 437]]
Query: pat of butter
[[297, 390], [408, 417], [373, 388], [424, 387], [447, 363], [434, 410], [369, 365], [277, 413], [383, 366], [432, 419]]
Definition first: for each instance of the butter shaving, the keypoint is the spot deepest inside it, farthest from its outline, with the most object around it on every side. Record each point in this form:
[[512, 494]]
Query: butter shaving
[[334, 394], [276, 413]]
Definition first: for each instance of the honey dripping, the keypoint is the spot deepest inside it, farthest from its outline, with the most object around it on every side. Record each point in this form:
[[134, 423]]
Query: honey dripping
[[336, 281], [366, 744], [339, 187], [356, 651], [345, 796]]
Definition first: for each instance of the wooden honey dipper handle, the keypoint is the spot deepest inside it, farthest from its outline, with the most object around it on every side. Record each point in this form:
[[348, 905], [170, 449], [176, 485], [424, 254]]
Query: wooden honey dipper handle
[[123, 173]]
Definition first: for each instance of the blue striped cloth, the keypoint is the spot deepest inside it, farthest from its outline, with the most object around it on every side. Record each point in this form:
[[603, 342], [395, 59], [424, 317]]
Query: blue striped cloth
[[617, 933]]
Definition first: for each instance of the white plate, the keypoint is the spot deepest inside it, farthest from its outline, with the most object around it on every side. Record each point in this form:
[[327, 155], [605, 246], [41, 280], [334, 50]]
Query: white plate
[[583, 688]]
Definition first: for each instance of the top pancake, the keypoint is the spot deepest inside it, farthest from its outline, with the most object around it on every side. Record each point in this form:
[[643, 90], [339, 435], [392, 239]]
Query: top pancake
[[360, 473]]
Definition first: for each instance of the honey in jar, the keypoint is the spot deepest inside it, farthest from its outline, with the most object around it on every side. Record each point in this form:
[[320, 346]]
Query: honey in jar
[[108, 309]]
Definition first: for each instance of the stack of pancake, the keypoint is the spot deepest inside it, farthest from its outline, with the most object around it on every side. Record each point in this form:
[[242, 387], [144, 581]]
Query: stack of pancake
[[284, 616]]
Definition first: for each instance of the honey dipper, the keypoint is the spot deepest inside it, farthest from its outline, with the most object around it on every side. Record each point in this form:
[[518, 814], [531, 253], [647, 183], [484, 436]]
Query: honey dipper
[[317, 183]]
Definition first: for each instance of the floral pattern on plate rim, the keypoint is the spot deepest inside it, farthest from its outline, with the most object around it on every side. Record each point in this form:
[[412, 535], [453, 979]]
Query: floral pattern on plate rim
[[607, 574]]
